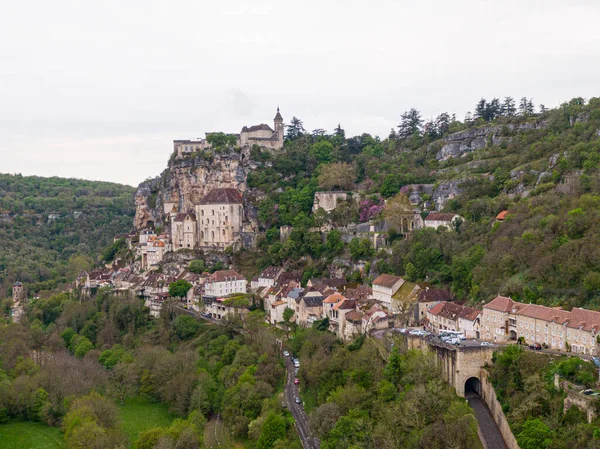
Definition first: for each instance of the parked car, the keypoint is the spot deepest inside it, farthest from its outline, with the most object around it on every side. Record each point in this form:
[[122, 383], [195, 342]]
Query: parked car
[[403, 330], [286, 354], [297, 364], [297, 400], [486, 343], [596, 361], [535, 346], [296, 381], [587, 392]]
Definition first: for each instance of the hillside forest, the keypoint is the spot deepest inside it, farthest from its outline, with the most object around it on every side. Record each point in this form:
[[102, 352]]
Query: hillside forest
[[53, 228], [542, 167]]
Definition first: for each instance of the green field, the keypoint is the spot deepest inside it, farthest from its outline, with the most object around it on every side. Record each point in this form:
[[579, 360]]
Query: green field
[[139, 415], [30, 435]]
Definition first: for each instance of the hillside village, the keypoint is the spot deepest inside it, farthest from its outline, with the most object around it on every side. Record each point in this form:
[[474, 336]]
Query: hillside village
[[203, 208], [221, 221]]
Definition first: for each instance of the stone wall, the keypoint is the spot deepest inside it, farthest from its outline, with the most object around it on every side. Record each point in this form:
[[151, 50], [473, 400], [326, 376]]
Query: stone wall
[[328, 200], [489, 396]]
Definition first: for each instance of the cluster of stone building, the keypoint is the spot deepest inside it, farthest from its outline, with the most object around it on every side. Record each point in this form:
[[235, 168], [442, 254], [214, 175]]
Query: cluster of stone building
[[504, 320], [215, 223]]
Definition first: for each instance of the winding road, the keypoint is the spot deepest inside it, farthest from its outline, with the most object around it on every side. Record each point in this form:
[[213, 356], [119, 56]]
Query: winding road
[[297, 410]]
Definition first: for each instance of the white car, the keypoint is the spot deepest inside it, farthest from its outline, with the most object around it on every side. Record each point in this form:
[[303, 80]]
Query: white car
[[486, 343], [286, 354], [415, 332], [297, 363]]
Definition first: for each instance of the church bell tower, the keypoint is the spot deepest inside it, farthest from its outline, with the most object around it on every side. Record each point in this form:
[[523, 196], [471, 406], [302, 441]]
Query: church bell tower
[[278, 121]]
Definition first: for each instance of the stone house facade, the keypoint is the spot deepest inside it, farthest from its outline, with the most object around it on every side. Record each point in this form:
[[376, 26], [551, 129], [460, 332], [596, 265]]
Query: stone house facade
[[436, 219], [575, 331], [224, 283], [183, 231], [220, 216], [384, 287]]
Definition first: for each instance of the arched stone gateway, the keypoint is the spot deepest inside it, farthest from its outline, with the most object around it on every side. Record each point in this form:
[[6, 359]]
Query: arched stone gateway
[[513, 335], [473, 385]]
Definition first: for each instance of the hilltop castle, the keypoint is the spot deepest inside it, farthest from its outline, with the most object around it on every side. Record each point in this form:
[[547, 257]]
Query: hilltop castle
[[262, 135]]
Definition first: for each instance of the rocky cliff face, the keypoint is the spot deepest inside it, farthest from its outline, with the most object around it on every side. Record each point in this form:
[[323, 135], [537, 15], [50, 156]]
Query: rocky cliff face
[[461, 143], [185, 182]]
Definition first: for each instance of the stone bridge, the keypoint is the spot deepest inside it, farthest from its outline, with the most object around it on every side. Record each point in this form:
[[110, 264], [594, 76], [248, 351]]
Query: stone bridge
[[461, 366]]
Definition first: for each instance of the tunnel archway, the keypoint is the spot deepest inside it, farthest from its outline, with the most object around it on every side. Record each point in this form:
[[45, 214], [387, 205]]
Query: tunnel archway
[[472, 385]]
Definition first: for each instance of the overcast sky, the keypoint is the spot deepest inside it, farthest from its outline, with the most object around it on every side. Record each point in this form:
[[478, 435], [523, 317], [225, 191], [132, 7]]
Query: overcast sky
[[99, 89]]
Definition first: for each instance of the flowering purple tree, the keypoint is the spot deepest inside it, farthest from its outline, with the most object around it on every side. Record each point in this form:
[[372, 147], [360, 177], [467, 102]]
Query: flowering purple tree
[[369, 209]]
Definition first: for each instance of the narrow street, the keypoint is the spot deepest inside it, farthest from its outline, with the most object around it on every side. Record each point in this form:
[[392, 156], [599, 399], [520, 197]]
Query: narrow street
[[491, 436], [297, 410]]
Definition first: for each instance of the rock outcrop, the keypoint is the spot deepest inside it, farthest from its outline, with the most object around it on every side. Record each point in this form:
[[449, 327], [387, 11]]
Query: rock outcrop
[[445, 191], [464, 142], [184, 183]]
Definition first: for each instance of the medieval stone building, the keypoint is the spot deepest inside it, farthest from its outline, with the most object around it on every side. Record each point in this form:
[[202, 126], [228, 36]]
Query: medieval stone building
[[220, 216], [263, 135], [216, 222]]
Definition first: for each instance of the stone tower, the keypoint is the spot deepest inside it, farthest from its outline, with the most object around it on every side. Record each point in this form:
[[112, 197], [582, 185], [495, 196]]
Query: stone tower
[[278, 121]]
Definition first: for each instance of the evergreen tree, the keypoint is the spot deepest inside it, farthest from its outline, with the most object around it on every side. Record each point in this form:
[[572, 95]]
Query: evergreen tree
[[508, 107], [340, 132], [410, 124], [442, 123], [492, 110], [526, 107], [480, 109], [295, 129]]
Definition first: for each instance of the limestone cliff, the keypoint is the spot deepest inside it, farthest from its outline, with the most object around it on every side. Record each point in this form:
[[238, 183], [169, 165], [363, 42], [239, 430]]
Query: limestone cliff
[[463, 142], [185, 182]]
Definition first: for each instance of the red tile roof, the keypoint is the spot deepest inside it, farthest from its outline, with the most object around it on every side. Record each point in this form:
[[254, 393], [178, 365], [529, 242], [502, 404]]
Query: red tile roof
[[222, 196], [335, 298], [440, 216], [453, 311], [354, 316], [502, 215], [387, 280], [542, 313], [435, 294], [500, 304], [226, 275], [588, 320], [346, 304]]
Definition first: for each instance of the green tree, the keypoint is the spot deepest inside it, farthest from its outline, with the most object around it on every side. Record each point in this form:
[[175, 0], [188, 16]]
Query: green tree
[[196, 266], [334, 244], [67, 335], [337, 175], [84, 345], [393, 369], [273, 429], [535, 435], [410, 124], [321, 151], [295, 129], [185, 327], [179, 289]]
